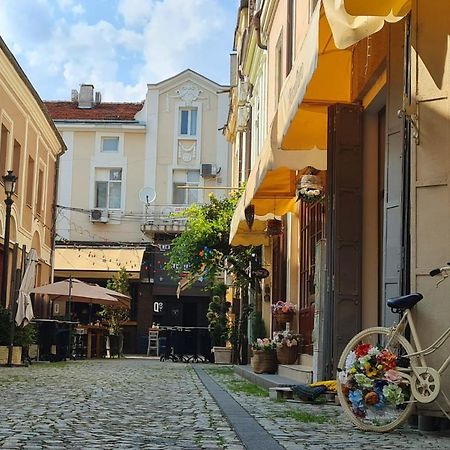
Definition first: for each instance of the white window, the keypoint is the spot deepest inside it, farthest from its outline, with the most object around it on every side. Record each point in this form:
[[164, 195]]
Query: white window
[[110, 144], [181, 195], [108, 188], [188, 122]]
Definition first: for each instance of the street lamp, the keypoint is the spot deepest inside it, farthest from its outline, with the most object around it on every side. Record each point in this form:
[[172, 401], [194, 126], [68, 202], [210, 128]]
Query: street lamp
[[9, 181]]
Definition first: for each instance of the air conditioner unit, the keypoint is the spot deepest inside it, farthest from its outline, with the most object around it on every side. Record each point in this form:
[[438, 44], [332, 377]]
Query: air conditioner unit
[[243, 91], [243, 114], [98, 215], [208, 171]]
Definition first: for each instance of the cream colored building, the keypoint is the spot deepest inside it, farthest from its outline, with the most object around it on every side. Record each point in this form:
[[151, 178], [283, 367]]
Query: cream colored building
[[30, 146], [128, 167], [371, 115]]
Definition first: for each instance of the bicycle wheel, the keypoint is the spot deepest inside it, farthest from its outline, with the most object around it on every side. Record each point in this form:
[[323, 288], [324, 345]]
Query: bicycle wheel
[[371, 388]]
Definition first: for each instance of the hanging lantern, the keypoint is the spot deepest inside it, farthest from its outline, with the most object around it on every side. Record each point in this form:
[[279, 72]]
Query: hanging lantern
[[274, 227], [250, 215], [309, 187]]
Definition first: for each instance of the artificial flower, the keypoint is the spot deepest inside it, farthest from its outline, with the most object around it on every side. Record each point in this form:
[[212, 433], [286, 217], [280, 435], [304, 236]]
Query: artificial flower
[[394, 394], [356, 398], [387, 359], [371, 398], [350, 360], [371, 371], [363, 381], [362, 350], [394, 376]]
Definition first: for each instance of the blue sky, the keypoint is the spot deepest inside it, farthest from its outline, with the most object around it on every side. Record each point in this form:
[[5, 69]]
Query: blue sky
[[117, 45]]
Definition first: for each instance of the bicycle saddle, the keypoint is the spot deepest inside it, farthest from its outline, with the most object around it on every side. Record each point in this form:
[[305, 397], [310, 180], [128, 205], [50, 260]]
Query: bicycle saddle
[[404, 301]]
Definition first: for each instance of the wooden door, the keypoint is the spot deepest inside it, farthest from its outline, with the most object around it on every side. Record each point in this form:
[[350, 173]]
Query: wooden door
[[344, 231]]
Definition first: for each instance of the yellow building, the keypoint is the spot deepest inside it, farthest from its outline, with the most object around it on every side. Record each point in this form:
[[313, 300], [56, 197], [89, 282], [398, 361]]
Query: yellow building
[[29, 146], [357, 91]]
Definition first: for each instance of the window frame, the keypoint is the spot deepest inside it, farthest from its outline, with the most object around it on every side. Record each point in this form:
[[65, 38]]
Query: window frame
[[189, 110], [109, 182]]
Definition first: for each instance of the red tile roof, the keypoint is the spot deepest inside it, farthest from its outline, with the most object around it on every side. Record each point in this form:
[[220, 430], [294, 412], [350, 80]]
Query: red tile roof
[[59, 110]]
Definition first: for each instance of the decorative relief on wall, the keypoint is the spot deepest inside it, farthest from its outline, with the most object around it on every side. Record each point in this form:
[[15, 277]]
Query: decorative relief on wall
[[188, 93], [187, 151]]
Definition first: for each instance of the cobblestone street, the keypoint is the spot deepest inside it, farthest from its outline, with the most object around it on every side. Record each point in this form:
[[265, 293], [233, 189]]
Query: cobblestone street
[[131, 403]]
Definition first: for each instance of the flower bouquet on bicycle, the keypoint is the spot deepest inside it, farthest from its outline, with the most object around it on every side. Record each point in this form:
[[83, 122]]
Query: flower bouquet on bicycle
[[371, 383], [382, 374]]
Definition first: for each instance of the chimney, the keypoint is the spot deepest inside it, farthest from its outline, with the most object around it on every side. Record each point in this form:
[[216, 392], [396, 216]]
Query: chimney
[[74, 95], [86, 97], [98, 98]]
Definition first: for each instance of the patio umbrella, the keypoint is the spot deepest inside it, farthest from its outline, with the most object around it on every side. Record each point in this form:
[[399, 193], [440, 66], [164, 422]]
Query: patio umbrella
[[24, 312], [123, 298], [77, 292]]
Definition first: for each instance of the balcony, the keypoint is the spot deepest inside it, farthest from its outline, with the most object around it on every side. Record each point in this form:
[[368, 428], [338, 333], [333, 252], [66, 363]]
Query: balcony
[[160, 218]]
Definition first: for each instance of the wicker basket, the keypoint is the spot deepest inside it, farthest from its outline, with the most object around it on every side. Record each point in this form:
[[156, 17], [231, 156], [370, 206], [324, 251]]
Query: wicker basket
[[264, 362], [283, 317], [287, 355]]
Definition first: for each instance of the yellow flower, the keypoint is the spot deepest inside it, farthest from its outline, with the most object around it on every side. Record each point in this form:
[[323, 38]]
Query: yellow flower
[[370, 371], [352, 370]]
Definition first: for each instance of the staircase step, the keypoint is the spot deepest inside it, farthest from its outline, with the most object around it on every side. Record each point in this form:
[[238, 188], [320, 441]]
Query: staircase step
[[298, 373]]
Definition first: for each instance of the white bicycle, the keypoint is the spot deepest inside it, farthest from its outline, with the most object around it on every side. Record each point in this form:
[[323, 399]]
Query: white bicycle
[[382, 373]]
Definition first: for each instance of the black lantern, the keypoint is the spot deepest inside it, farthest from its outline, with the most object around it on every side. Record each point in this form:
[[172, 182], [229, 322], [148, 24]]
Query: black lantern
[[250, 215], [9, 181]]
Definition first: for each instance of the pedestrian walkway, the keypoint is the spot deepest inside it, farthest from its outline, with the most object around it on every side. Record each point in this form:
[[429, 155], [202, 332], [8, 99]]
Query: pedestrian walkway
[[145, 404]]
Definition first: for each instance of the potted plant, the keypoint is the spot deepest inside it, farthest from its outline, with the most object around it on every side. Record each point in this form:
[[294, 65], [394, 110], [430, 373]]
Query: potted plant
[[264, 359], [283, 312], [219, 327], [23, 338], [287, 345], [115, 316]]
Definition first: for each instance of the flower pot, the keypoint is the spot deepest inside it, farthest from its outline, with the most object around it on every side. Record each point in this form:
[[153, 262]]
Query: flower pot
[[283, 318], [16, 355], [287, 355], [222, 355], [264, 361]]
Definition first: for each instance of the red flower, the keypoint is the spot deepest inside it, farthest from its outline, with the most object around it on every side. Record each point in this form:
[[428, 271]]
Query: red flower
[[362, 350], [387, 359]]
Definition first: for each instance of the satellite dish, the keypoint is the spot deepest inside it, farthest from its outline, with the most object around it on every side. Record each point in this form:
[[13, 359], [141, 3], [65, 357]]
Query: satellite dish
[[147, 195]]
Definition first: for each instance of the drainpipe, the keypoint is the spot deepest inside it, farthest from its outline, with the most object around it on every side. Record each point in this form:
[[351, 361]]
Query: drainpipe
[[257, 25]]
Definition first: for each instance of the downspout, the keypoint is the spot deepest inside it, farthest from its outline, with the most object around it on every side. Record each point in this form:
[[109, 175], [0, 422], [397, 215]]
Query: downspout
[[257, 25]]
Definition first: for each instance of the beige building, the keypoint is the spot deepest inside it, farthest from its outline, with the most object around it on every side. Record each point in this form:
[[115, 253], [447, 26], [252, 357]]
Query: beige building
[[369, 116], [30, 146], [128, 167]]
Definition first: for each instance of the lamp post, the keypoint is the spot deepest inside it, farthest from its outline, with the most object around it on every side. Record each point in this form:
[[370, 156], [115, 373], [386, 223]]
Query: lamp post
[[9, 181]]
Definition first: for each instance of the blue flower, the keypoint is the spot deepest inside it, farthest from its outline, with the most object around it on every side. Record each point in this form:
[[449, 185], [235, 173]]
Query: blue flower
[[356, 397]]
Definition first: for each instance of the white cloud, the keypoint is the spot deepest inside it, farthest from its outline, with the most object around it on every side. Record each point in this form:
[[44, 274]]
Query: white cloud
[[135, 13], [78, 10], [60, 48]]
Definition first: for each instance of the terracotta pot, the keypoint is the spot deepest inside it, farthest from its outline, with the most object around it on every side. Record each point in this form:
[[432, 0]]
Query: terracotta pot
[[264, 362], [287, 355]]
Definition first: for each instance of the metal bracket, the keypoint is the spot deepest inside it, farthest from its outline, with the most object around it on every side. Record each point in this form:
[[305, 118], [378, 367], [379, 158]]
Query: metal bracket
[[408, 113]]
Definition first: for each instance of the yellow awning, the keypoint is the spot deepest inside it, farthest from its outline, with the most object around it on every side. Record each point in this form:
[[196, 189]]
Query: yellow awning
[[271, 188], [304, 100], [353, 20], [381, 8], [98, 259]]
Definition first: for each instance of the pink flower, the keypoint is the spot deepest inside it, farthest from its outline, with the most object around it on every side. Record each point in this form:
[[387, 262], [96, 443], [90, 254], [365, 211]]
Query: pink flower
[[394, 376]]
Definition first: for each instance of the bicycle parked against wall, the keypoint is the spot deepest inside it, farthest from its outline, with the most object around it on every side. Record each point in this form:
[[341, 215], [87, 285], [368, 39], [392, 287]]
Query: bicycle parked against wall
[[382, 373]]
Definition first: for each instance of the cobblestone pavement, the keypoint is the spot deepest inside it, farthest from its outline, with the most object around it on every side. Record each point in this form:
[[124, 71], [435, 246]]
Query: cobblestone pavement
[[145, 404], [297, 425], [109, 404]]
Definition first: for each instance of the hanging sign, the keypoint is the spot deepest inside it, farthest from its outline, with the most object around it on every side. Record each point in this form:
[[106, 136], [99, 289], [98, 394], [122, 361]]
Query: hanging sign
[[260, 272]]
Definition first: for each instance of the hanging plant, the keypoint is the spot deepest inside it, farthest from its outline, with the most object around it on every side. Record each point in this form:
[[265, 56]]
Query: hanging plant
[[274, 227], [309, 187]]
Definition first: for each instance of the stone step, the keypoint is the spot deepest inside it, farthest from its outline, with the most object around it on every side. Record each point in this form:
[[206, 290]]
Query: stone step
[[297, 373]]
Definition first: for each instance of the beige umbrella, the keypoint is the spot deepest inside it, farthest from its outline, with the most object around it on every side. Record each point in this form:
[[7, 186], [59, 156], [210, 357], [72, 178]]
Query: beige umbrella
[[76, 291], [123, 298], [24, 312]]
